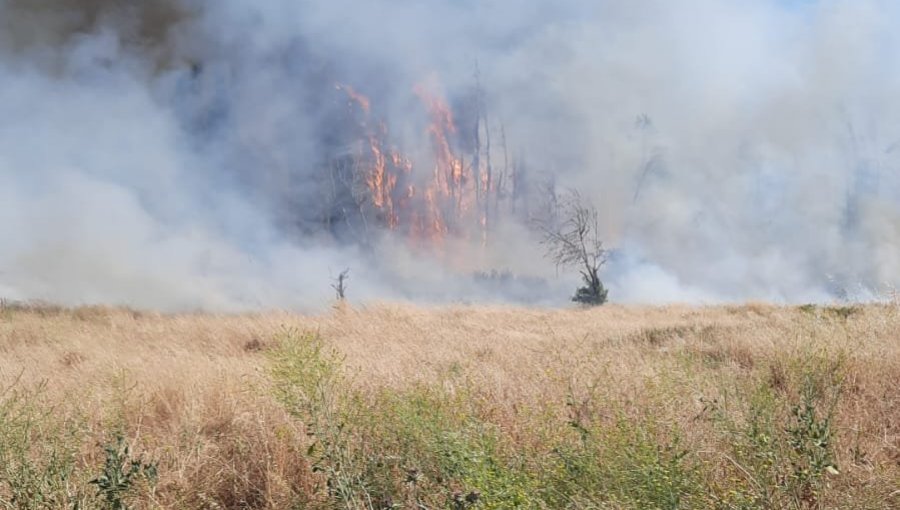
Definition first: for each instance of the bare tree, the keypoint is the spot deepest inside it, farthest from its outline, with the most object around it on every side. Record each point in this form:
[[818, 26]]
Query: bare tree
[[572, 239], [340, 284]]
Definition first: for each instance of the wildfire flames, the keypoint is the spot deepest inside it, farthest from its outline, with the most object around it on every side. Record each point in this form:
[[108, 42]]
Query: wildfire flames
[[429, 200]]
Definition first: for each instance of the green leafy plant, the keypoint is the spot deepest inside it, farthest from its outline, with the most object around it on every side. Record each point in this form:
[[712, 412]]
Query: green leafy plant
[[37, 454], [809, 435], [121, 473], [781, 436], [308, 378]]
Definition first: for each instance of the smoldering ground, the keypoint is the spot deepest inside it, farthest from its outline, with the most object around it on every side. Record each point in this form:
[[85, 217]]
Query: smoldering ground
[[175, 154]]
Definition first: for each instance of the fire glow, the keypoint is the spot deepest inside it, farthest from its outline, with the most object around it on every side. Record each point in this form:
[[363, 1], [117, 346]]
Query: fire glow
[[427, 201]]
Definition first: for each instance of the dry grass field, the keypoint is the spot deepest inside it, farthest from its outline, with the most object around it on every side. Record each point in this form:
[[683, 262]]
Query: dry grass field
[[394, 406]]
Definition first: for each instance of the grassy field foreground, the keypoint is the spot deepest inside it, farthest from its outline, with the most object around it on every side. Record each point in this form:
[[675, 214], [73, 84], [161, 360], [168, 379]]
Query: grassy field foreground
[[402, 407]]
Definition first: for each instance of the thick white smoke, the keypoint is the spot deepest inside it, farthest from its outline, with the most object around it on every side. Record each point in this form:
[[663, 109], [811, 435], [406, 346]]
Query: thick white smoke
[[168, 153]]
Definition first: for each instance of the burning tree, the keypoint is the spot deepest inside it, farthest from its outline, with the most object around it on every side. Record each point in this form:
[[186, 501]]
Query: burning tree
[[572, 239], [454, 190]]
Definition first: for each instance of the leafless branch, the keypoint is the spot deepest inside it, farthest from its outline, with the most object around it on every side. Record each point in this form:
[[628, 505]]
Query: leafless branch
[[571, 236], [340, 284]]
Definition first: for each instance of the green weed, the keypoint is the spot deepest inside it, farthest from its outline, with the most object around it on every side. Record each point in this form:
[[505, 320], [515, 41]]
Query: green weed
[[121, 474], [781, 452], [309, 383], [37, 454]]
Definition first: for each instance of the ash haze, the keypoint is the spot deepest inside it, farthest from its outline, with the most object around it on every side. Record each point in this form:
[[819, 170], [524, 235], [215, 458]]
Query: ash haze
[[171, 153]]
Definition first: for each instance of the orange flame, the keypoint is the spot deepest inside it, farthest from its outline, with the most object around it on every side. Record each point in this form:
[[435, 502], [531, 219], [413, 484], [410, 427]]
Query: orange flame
[[355, 97], [444, 204]]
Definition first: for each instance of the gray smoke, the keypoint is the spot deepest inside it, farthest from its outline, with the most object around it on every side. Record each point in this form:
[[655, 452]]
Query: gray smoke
[[170, 153]]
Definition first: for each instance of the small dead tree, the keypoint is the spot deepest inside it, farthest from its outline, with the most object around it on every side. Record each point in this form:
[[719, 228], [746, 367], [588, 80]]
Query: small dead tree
[[340, 284], [572, 239]]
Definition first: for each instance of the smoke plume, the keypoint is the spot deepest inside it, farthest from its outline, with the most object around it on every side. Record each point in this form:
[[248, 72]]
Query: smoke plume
[[234, 155]]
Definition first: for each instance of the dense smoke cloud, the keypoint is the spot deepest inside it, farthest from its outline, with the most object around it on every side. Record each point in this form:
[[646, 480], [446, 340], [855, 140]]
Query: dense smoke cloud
[[176, 153]]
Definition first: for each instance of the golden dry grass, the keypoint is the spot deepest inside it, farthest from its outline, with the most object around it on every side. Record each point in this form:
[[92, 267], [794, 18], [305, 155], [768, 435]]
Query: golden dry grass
[[194, 392]]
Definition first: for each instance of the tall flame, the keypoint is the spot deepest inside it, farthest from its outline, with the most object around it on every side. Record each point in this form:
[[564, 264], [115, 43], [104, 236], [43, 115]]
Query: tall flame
[[427, 206]]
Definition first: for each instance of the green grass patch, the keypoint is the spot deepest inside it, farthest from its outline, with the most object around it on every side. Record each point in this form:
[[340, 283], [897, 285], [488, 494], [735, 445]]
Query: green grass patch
[[433, 447]]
